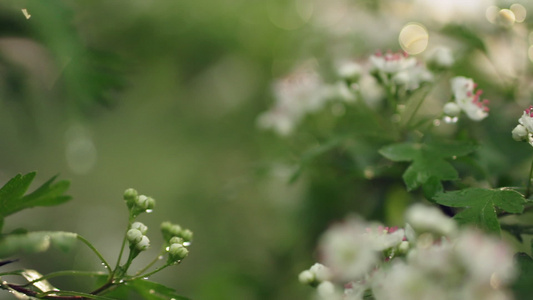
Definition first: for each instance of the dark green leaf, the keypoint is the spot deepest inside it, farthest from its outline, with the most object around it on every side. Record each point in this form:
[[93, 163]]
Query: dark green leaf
[[429, 161], [12, 199], [37, 241], [154, 291], [480, 205], [522, 287]]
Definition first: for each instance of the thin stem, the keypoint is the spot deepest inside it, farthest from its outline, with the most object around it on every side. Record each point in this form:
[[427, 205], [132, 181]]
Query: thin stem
[[528, 190], [102, 259], [120, 254], [75, 295], [156, 259], [154, 271]]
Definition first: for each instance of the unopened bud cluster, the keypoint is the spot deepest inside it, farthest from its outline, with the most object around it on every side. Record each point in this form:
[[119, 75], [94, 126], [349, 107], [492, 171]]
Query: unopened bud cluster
[[178, 239], [137, 238], [138, 203]]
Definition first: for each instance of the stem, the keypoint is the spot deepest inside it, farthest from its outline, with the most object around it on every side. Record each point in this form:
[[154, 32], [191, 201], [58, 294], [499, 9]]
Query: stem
[[528, 190], [153, 272], [102, 259], [156, 259]]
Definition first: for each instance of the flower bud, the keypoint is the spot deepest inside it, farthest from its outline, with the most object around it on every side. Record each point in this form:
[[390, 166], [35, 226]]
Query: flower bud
[[143, 244], [519, 133], [139, 226], [145, 202], [134, 236], [186, 234], [177, 252], [176, 240], [306, 277], [452, 109], [130, 196]]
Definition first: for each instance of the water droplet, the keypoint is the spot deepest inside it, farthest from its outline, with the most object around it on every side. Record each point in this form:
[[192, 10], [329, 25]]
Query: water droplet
[[451, 120], [186, 244], [152, 292], [121, 281], [105, 266], [149, 211], [160, 257], [145, 278], [167, 248], [172, 298]]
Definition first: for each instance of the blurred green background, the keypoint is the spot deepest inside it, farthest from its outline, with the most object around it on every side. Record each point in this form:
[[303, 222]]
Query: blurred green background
[[163, 96]]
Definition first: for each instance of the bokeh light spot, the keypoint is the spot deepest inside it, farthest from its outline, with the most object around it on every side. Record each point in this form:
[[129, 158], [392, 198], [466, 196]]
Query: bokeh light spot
[[519, 12], [413, 38]]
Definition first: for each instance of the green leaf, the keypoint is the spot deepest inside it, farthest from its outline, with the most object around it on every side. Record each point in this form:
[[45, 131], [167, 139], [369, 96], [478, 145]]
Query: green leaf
[[429, 163], [522, 287], [12, 197], [480, 205], [154, 291], [37, 241]]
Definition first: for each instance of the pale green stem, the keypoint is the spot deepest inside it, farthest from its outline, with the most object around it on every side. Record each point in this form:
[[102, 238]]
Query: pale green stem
[[528, 190], [86, 242]]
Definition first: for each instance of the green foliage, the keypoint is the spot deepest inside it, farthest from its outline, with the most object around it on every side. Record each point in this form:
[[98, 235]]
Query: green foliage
[[522, 287], [150, 290], [429, 162], [37, 241], [480, 205], [12, 198]]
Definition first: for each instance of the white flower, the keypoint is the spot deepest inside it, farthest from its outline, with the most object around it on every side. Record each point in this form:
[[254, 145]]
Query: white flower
[[391, 63], [350, 71], [296, 95], [383, 238], [412, 77], [430, 219], [488, 260], [524, 130], [519, 133], [469, 102], [348, 251], [441, 57]]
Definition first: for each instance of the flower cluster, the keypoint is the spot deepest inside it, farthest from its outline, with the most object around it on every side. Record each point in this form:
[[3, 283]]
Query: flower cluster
[[430, 259], [177, 240], [136, 236], [466, 99], [138, 204], [399, 69], [524, 130]]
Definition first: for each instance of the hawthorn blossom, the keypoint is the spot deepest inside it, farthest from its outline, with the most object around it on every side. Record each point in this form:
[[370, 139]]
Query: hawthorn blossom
[[296, 95], [391, 63], [524, 130], [346, 249], [467, 100], [440, 57]]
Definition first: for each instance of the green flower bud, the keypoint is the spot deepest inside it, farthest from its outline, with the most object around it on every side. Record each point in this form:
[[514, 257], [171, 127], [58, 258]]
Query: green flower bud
[[176, 240], [170, 230], [186, 234], [130, 196], [139, 226], [177, 252], [143, 244], [145, 202], [134, 236]]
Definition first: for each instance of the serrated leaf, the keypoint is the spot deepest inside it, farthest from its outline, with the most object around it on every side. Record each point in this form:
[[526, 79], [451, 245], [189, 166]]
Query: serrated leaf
[[150, 290], [12, 197], [429, 161], [480, 205], [37, 241]]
